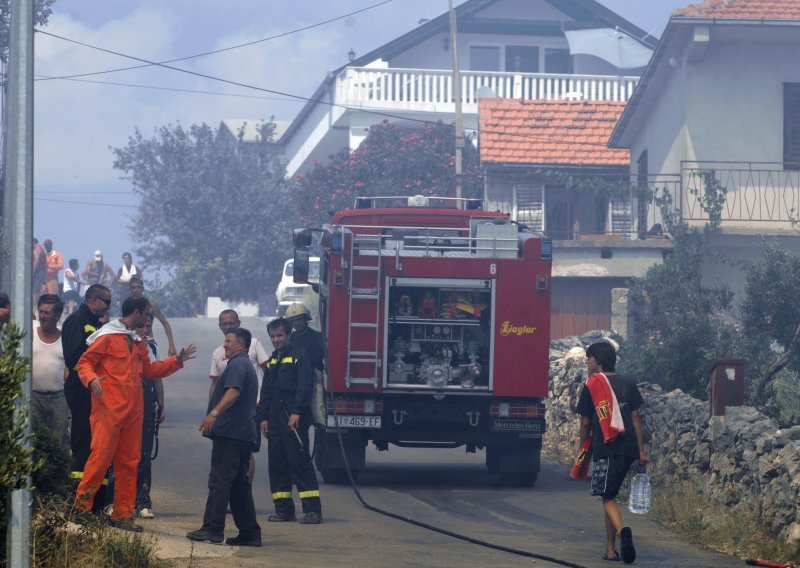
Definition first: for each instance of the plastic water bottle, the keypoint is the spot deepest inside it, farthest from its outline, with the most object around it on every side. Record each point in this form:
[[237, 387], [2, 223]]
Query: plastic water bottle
[[639, 501]]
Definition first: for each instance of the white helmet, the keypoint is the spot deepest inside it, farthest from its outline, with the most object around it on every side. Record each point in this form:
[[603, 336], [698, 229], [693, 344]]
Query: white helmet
[[297, 310]]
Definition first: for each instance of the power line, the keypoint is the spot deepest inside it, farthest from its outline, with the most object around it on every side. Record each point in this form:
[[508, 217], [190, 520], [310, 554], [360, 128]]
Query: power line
[[193, 91], [69, 201], [280, 35], [70, 191], [306, 99]]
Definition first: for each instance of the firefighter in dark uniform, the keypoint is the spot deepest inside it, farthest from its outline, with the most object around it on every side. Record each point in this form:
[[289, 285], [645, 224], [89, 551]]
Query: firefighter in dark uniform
[[77, 327], [284, 418], [304, 339]]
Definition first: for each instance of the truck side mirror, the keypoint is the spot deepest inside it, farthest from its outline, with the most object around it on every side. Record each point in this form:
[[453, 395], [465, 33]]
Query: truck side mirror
[[302, 237], [302, 264]]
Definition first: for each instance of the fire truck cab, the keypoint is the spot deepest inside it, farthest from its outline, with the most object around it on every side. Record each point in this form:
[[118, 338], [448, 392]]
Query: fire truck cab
[[436, 318]]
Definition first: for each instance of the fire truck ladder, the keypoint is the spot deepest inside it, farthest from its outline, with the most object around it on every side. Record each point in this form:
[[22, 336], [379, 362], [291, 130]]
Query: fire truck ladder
[[365, 271]]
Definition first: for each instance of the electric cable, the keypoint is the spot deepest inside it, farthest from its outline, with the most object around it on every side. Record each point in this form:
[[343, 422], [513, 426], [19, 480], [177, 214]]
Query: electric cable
[[319, 101], [420, 524], [175, 89], [230, 48], [71, 202]]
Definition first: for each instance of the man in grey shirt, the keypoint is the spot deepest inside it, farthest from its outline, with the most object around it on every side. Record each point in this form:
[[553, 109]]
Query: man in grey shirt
[[231, 427]]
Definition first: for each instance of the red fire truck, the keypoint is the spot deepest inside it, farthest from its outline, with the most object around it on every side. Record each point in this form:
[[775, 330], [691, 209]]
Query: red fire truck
[[436, 319]]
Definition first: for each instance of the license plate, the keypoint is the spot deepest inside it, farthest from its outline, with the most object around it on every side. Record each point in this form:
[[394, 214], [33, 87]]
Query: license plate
[[354, 421], [518, 425]]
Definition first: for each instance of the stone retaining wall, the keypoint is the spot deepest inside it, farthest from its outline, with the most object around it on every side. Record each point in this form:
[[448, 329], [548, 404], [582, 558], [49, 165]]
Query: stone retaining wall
[[740, 460]]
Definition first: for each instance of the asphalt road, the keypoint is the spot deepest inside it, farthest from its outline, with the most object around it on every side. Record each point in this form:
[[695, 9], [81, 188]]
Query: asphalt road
[[449, 489]]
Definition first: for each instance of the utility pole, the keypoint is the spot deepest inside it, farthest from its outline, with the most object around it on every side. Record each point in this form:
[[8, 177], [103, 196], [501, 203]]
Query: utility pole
[[18, 224], [457, 96]]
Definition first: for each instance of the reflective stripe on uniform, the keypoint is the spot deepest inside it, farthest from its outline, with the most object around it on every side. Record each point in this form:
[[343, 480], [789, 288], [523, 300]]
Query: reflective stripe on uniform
[[282, 495], [288, 360], [79, 475], [88, 328], [307, 494]]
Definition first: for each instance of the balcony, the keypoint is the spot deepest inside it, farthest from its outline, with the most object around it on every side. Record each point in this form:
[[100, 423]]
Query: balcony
[[431, 90], [758, 195]]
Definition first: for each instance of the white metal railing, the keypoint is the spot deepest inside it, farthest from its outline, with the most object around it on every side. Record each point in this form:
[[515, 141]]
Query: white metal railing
[[425, 88]]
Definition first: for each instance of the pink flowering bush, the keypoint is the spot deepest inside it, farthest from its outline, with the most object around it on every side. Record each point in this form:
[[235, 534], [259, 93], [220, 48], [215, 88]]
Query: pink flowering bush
[[393, 160]]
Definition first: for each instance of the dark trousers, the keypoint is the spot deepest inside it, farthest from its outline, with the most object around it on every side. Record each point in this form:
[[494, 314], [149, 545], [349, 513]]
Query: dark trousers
[[144, 473], [79, 401], [228, 483], [288, 462]]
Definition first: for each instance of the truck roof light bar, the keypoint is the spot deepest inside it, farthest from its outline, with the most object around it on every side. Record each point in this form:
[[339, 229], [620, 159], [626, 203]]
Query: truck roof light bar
[[469, 204]]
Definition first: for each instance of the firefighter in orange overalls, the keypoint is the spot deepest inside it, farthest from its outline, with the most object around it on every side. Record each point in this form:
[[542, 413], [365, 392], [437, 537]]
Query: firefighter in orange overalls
[[113, 367]]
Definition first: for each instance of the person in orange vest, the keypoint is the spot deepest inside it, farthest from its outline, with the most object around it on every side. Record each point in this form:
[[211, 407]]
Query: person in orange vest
[[54, 265], [112, 368]]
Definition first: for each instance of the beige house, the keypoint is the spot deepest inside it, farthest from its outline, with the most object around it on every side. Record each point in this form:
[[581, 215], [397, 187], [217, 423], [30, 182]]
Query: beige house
[[721, 95]]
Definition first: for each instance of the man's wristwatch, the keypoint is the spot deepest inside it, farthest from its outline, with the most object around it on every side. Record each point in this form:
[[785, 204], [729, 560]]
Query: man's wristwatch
[[213, 413]]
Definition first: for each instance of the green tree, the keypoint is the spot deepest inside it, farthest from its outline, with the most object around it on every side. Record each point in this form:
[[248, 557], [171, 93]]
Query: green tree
[[681, 324], [41, 13], [771, 332], [212, 213], [392, 160]]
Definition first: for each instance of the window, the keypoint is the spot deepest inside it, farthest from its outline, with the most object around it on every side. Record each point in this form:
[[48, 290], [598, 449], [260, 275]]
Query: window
[[529, 205], [791, 126], [482, 58], [522, 59], [557, 61]]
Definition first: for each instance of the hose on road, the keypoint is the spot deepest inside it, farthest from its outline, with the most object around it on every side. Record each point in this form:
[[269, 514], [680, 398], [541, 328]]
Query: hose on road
[[420, 524]]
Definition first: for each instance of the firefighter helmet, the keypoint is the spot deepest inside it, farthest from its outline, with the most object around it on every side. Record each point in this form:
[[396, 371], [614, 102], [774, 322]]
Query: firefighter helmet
[[297, 310]]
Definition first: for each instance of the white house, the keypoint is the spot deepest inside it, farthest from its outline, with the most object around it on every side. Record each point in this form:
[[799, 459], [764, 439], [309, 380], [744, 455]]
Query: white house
[[527, 49], [721, 95]]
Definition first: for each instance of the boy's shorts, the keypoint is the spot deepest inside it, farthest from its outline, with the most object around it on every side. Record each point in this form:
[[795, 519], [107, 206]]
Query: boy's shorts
[[608, 475]]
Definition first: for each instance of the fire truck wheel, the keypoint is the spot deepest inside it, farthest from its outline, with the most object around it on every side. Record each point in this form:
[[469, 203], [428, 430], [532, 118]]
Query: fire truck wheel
[[492, 459], [519, 478], [338, 476]]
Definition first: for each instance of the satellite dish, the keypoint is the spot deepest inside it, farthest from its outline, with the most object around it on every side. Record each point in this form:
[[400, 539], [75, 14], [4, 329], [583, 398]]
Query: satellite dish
[[485, 93]]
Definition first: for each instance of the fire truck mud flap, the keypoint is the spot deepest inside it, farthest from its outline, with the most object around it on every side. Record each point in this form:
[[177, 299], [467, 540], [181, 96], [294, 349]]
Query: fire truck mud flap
[[518, 462], [328, 456]]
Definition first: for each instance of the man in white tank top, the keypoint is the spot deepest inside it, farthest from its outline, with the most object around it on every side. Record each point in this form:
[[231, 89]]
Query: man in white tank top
[[47, 392]]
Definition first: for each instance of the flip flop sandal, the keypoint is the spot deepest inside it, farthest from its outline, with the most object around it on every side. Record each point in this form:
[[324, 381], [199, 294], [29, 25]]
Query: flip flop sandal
[[626, 548], [614, 558]]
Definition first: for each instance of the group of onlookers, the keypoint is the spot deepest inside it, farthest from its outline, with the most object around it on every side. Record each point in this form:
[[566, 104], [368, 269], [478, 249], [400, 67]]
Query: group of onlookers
[[48, 264]]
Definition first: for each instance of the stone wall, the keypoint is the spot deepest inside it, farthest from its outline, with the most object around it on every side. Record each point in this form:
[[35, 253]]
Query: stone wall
[[740, 460]]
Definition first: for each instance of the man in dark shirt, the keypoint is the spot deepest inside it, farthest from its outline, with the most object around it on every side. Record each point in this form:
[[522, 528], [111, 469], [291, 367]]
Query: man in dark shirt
[[304, 338], [77, 327], [284, 416], [231, 426], [612, 459]]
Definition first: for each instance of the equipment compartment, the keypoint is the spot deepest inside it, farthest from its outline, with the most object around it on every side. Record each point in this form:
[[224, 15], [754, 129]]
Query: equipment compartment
[[438, 335]]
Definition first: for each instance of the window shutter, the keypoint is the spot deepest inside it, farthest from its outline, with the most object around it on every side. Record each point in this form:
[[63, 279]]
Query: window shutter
[[529, 205], [621, 215], [791, 126]]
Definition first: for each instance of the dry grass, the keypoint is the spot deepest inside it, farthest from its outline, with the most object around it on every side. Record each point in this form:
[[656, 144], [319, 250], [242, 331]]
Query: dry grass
[[61, 544], [683, 509]]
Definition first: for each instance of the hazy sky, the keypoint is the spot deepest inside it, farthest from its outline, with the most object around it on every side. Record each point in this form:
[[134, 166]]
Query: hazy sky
[[80, 201]]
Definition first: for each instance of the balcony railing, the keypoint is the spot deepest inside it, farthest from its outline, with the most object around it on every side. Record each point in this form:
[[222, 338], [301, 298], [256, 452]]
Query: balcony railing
[[757, 194], [431, 90]]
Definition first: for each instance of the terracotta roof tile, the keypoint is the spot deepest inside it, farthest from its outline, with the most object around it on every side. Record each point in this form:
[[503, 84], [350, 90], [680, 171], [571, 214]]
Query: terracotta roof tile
[[549, 132], [742, 9]]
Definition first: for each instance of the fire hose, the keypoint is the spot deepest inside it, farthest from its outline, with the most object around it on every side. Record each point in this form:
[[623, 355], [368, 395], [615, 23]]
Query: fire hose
[[753, 562], [420, 524]]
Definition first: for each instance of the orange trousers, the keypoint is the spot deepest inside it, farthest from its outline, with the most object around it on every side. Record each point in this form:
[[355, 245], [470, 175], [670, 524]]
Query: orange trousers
[[113, 440]]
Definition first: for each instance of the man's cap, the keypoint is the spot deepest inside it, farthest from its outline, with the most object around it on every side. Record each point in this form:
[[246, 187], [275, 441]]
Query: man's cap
[[48, 242], [98, 255]]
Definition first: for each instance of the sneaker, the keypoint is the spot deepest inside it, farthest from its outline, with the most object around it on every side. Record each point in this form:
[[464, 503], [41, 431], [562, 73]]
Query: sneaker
[[125, 525], [205, 536], [311, 519], [146, 513], [241, 541], [281, 518]]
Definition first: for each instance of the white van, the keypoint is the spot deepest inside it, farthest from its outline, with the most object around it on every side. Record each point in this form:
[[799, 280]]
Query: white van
[[288, 292]]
